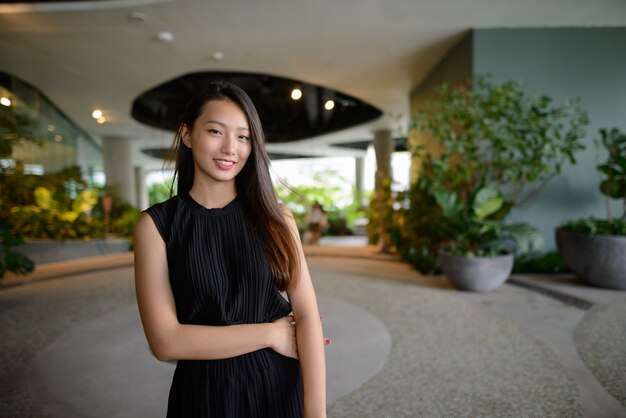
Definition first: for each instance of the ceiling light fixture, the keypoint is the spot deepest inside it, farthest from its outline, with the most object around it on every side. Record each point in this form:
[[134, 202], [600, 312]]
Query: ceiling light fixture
[[165, 36], [96, 114], [138, 17], [5, 101], [296, 94], [217, 56], [329, 105], [101, 120]]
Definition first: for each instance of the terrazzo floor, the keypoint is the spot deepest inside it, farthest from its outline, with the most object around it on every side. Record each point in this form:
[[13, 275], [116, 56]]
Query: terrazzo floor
[[404, 345]]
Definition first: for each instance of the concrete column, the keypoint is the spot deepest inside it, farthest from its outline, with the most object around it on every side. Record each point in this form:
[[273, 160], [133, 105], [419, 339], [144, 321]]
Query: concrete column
[[141, 189], [383, 147], [118, 167], [359, 167]]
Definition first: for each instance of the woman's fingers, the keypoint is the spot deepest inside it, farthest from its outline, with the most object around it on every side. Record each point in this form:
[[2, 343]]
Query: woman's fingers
[[285, 337], [292, 321]]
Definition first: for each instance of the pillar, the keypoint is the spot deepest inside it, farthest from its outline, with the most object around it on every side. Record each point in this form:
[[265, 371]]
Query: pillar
[[118, 167], [383, 147], [141, 189], [359, 165]]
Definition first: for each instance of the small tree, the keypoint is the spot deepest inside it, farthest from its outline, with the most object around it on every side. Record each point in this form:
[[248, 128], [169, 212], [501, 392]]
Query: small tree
[[495, 147]]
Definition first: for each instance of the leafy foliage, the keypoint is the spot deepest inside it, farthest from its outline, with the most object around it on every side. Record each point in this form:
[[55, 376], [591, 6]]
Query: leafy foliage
[[614, 169], [497, 134], [381, 208], [325, 189], [58, 206], [11, 260], [158, 192], [538, 262], [16, 127], [613, 185], [592, 226], [494, 147], [56, 219]]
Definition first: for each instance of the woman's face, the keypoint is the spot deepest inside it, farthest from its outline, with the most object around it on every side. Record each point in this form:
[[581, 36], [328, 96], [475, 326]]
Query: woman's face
[[219, 141]]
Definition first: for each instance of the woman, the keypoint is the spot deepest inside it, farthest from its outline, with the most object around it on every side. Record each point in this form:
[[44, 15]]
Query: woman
[[209, 266], [317, 222]]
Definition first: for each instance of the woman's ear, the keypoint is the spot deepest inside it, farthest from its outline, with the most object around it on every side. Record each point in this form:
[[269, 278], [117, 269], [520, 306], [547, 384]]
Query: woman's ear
[[185, 135]]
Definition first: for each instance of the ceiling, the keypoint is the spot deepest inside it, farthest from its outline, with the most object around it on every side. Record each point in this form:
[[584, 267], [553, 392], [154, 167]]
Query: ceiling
[[87, 55]]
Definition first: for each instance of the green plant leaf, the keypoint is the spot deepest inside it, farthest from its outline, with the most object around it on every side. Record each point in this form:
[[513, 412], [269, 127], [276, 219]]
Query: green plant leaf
[[43, 198], [488, 200], [85, 201], [449, 202]]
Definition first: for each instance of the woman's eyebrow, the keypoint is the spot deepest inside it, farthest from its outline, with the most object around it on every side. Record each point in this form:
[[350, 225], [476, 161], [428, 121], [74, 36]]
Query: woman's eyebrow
[[217, 122]]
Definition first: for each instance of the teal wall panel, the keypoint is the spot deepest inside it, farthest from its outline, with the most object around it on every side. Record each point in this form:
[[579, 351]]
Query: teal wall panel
[[589, 63]]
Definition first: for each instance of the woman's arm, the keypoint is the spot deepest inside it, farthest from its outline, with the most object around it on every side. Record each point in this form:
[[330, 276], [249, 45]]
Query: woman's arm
[[170, 340], [308, 335]]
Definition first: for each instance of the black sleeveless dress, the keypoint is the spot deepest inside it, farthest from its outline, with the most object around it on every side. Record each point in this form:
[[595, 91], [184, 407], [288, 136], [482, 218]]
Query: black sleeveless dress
[[220, 276]]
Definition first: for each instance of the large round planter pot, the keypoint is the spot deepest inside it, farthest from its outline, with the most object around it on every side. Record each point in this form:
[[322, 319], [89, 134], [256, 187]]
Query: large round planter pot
[[599, 260], [477, 274]]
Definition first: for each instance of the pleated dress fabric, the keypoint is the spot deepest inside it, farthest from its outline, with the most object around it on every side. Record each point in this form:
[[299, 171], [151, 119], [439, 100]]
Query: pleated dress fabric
[[220, 276]]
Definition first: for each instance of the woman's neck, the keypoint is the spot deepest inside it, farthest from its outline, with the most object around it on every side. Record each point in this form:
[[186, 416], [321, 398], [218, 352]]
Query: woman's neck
[[214, 195]]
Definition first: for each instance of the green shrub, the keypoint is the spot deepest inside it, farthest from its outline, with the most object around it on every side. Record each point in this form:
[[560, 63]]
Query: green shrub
[[593, 226], [539, 263], [11, 260]]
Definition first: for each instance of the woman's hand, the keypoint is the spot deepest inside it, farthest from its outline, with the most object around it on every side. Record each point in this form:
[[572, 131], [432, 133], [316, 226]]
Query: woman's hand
[[284, 337]]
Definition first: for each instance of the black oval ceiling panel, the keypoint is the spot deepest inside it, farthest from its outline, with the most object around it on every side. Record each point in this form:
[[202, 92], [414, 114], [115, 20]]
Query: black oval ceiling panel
[[284, 118]]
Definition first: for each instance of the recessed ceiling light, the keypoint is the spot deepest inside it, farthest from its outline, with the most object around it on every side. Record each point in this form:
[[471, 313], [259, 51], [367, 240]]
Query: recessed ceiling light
[[96, 114], [138, 17], [58, 138], [101, 120], [165, 36], [329, 105], [217, 56], [50, 127], [296, 94], [5, 101]]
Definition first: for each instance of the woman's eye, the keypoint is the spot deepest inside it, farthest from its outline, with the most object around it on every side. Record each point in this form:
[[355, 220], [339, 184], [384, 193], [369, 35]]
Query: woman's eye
[[244, 138], [214, 131]]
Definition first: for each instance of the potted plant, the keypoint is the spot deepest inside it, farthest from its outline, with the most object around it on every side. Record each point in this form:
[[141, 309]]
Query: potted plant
[[484, 149], [595, 249]]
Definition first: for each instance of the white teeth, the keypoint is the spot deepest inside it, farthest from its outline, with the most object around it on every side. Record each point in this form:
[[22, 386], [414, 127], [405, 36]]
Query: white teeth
[[225, 162]]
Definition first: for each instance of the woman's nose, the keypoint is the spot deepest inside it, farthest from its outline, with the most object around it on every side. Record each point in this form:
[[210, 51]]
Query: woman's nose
[[229, 144]]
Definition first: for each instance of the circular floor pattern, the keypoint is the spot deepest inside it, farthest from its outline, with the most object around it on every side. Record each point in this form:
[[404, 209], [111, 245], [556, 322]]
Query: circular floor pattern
[[600, 339], [450, 357], [103, 368]]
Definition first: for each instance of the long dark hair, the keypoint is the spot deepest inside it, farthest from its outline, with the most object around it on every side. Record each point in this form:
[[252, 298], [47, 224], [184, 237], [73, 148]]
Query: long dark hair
[[254, 184]]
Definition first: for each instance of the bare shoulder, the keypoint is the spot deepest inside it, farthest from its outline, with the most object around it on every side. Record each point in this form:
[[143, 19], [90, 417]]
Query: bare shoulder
[[145, 227], [148, 243], [144, 222]]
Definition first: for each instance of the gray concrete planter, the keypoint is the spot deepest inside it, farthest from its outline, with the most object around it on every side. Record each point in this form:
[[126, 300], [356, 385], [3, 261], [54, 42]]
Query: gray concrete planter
[[599, 260], [477, 274], [49, 251]]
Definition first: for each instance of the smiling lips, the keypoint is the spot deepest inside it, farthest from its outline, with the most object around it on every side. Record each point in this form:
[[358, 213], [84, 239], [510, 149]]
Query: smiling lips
[[224, 164]]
